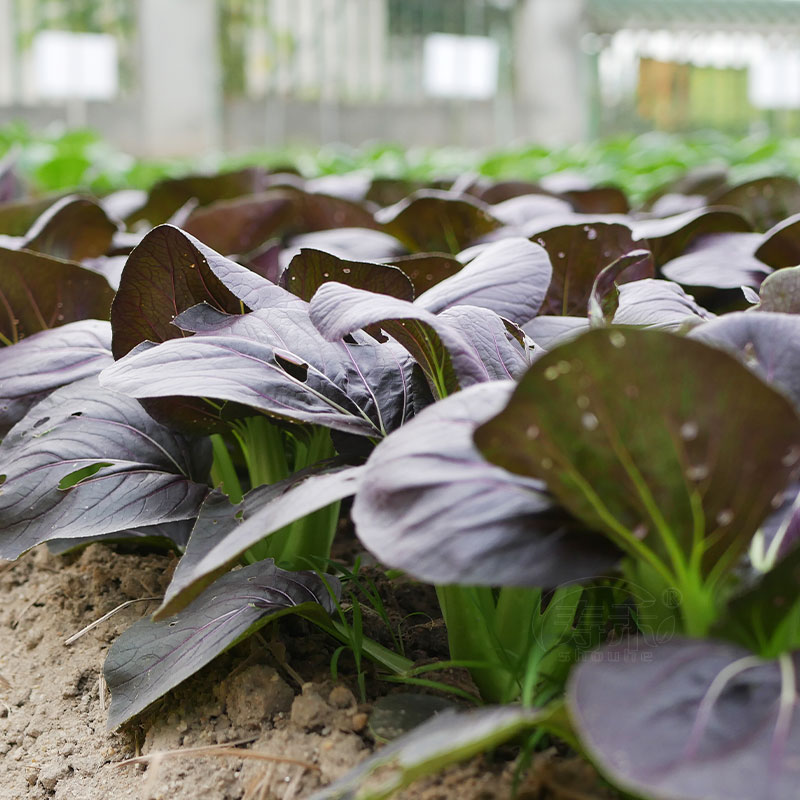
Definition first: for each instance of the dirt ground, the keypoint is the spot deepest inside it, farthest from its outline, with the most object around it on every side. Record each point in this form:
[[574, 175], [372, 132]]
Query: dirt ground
[[301, 730]]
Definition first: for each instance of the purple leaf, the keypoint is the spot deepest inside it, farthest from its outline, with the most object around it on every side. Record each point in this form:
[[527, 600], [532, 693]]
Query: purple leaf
[[86, 461], [42, 362], [431, 505], [695, 720], [150, 658]]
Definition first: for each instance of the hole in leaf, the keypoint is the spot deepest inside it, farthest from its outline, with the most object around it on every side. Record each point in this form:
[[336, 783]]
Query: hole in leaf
[[76, 414], [239, 514], [74, 478], [297, 370], [2, 479], [40, 422]]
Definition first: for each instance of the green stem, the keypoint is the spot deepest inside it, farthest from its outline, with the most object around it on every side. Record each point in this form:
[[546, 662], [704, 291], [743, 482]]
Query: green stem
[[262, 445], [469, 614], [223, 473]]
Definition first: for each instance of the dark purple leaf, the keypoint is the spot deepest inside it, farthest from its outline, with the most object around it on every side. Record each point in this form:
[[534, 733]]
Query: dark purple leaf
[[311, 268], [781, 244], [38, 292], [169, 272], [435, 221], [425, 270], [624, 421], [669, 237], [598, 200], [578, 254], [764, 201], [605, 296], [509, 277], [223, 531], [387, 191], [16, 218], [506, 190], [431, 505], [42, 362], [150, 658], [695, 720], [167, 196], [73, 228], [86, 461], [242, 224]]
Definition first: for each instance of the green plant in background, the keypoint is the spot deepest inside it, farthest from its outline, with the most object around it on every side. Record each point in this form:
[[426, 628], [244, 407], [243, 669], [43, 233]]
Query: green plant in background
[[638, 165]]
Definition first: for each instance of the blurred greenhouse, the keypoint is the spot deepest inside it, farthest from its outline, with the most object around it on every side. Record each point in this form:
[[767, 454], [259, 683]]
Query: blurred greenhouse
[[168, 77]]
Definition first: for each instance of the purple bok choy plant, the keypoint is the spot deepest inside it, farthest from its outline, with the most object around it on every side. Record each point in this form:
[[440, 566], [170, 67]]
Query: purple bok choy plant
[[676, 452], [271, 360], [643, 455]]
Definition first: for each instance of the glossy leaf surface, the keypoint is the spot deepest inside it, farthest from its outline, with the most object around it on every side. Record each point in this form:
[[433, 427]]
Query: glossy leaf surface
[[86, 461], [651, 438]]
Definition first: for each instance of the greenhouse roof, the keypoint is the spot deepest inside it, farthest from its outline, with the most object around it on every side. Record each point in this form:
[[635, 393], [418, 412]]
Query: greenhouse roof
[[738, 15]]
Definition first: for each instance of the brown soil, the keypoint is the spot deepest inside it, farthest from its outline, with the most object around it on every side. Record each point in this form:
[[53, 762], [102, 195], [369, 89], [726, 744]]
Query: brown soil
[[274, 691]]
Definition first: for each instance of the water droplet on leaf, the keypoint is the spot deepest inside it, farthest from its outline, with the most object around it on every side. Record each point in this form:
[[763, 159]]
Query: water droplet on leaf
[[590, 421]]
